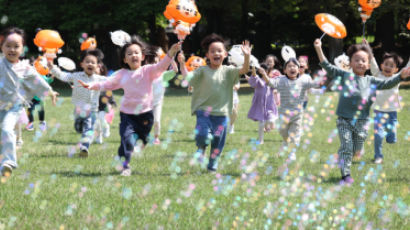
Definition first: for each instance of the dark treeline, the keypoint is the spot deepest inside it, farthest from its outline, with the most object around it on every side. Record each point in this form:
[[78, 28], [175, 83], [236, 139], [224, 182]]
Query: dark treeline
[[268, 24]]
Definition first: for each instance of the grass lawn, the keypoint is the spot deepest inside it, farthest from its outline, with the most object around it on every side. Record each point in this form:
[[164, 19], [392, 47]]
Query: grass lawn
[[254, 188]]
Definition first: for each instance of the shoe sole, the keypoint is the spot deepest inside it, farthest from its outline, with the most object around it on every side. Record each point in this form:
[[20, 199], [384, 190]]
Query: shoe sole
[[84, 154], [6, 171]]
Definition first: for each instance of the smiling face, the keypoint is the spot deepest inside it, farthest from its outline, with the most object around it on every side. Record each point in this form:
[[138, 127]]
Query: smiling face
[[216, 54], [90, 65], [133, 56], [292, 70], [389, 67], [270, 62], [12, 47], [303, 65], [360, 62]]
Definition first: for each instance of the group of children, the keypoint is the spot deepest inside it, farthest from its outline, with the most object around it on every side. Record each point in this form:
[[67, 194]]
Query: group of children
[[276, 96]]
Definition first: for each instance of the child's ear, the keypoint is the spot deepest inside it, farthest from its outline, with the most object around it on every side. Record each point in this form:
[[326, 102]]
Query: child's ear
[[143, 57]]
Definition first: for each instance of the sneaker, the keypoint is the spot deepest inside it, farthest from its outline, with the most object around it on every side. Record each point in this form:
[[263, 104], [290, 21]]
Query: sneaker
[[43, 126], [211, 171], [126, 172], [6, 170], [106, 132], [157, 141], [83, 152], [231, 129], [30, 126], [378, 160], [99, 139], [347, 180]]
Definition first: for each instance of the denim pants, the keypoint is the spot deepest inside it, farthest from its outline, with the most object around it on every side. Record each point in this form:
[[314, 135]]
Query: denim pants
[[132, 128], [84, 124], [352, 134], [216, 126], [8, 120], [384, 127]]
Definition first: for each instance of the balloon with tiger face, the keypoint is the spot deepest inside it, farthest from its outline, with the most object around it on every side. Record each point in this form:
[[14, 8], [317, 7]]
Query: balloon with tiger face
[[182, 15]]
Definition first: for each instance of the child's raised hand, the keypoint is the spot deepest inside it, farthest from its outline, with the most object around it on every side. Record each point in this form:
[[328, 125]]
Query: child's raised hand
[[262, 71], [405, 73], [253, 71], [317, 43], [246, 48], [83, 84], [174, 49], [181, 57]]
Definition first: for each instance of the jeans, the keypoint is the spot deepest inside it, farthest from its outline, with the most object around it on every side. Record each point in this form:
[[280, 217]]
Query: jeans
[[384, 127], [8, 120], [85, 125], [216, 126]]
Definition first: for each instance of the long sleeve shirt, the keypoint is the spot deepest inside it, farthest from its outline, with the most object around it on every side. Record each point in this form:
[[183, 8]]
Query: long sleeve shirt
[[386, 100], [292, 92], [137, 86], [19, 83], [82, 98], [355, 98]]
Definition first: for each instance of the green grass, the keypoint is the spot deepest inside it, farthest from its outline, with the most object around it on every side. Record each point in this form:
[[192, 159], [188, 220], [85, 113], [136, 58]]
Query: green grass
[[255, 188]]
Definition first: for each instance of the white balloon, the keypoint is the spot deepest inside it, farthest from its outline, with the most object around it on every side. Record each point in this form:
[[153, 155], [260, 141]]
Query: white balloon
[[66, 63], [120, 37], [287, 52], [236, 57]]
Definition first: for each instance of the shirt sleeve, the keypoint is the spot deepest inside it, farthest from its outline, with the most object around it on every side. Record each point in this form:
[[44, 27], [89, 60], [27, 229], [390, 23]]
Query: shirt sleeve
[[156, 70], [63, 76], [374, 68], [34, 84], [386, 84], [112, 83], [274, 83], [333, 71], [168, 75], [194, 77], [255, 82]]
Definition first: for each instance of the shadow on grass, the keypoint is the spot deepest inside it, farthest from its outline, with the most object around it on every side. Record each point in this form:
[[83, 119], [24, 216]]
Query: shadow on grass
[[58, 142]]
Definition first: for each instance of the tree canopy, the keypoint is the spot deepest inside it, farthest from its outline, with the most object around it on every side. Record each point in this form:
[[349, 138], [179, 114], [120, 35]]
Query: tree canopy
[[268, 24]]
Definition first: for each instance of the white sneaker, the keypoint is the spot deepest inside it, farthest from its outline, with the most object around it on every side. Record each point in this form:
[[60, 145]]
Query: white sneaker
[[126, 172], [83, 152], [231, 129], [99, 139], [378, 160], [106, 132]]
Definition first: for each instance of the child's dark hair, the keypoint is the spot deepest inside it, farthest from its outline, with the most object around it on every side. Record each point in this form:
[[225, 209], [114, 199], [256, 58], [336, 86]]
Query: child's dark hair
[[359, 47], [134, 41], [294, 60], [208, 40], [396, 58], [151, 54], [103, 69], [264, 66], [12, 30], [95, 52]]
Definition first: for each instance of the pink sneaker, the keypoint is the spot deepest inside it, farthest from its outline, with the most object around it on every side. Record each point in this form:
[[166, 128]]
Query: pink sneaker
[[157, 141]]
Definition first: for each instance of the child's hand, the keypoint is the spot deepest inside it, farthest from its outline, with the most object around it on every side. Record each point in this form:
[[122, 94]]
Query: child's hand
[[83, 84], [53, 95], [50, 63], [246, 48], [317, 43], [365, 42], [174, 49], [181, 58], [262, 71], [405, 73]]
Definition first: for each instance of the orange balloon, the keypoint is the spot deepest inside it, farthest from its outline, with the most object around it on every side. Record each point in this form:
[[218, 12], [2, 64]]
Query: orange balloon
[[370, 4], [48, 40], [330, 25], [408, 25], [194, 62], [41, 65], [182, 10], [182, 14], [89, 44]]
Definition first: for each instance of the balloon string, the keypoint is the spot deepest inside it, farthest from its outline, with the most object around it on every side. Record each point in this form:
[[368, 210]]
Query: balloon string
[[364, 26], [322, 36]]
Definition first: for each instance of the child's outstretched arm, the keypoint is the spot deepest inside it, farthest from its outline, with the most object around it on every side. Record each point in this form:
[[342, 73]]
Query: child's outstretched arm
[[181, 60], [374, 68], [246, 50], [318, 47], [262, 72]]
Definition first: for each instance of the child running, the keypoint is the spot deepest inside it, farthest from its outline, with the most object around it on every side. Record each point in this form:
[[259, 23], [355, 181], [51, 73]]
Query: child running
[[355, 100], [136, 107], [292, 88], [213, 95], [264, 104], [85, 101], [386, 105], [20, 82]]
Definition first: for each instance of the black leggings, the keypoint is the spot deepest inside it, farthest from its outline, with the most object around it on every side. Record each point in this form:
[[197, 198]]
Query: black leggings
[[36, 105]]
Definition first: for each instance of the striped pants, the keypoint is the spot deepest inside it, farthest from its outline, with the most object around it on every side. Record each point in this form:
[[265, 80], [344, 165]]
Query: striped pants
[[352, 134]]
